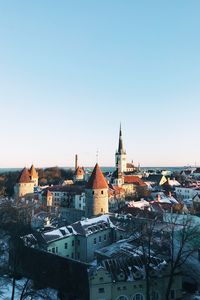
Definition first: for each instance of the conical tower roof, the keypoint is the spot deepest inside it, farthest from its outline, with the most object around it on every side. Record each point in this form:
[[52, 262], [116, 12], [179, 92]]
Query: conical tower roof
[[97, 180], [24, 176], [33, 172]]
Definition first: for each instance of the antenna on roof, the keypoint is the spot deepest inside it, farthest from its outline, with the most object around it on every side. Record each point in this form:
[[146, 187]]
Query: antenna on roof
[[97, 156]]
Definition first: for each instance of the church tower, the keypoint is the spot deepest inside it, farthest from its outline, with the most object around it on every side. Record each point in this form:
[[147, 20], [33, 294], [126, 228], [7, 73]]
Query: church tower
[[120, 155], [96, 194]]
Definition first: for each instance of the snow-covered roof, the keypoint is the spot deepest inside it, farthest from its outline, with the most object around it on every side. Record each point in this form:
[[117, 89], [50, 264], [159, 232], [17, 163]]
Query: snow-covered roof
[[92, 225], [139, 204], [125, 261]]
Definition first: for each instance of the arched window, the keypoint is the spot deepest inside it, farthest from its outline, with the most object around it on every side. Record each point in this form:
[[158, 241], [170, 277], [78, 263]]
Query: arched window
[[154, 295], [138, 297], [122, 298]]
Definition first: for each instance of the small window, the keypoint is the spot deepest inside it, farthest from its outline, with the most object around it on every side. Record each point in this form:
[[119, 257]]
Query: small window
[[172, 294], [138, 297], [93, 193], [154, 295], [101, 209], [95, 241], [102, 192], [65, 245], [53, 250], [104, 237], [72, 243], [101, 290]]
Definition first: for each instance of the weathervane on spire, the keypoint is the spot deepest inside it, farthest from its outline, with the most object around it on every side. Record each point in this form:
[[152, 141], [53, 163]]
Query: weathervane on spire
[[97, 156]]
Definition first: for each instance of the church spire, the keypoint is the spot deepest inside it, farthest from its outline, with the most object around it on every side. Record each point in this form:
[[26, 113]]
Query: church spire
[[120, 155], [120, 147]]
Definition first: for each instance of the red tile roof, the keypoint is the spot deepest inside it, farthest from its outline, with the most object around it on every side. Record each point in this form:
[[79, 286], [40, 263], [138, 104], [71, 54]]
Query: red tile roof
[[33, 172], [24, 176], [97, 180], [79, 171], [134, 180]]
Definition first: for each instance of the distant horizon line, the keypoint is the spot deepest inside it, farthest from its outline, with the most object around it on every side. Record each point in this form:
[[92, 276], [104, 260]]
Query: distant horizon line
[[73, 167]]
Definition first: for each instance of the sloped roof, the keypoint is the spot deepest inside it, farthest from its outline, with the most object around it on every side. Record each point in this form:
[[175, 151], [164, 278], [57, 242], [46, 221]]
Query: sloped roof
[[97, 180], [79, 171], [33, 172], [134, 180], [24, 176], [93, 225], [130, 165]]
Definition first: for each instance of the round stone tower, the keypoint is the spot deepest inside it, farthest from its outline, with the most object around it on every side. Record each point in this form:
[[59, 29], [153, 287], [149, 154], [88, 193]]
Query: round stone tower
[[96, 194], [24, 185]]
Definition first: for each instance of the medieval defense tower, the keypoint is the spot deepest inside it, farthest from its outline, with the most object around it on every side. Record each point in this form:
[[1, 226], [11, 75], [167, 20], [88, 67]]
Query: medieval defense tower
[[96, 194]]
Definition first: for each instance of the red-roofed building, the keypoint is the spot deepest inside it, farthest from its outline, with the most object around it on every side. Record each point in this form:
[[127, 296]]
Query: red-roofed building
[[96, 193], [79, 174], [24, 185], [134, 185]]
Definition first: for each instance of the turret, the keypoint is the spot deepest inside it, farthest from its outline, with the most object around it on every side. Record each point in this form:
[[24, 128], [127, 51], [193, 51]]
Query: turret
[[96, 194], [24, 185], [79, 174], [33, 175]]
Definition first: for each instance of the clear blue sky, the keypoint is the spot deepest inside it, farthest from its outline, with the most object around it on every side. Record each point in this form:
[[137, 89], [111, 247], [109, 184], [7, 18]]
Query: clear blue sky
[[70, 71]]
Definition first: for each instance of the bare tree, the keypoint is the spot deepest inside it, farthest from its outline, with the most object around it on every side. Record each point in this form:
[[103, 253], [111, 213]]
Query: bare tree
[[174, 241], [183, 237]]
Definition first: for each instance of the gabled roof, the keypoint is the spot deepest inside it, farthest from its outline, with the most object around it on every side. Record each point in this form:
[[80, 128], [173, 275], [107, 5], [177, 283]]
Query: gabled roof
[[93, 225], [97, 180], [24, 176], [79, 171], [33, 172]]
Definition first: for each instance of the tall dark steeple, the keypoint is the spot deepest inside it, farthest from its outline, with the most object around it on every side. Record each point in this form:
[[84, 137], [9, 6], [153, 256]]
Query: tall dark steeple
[[120, 147], [120, 155]]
